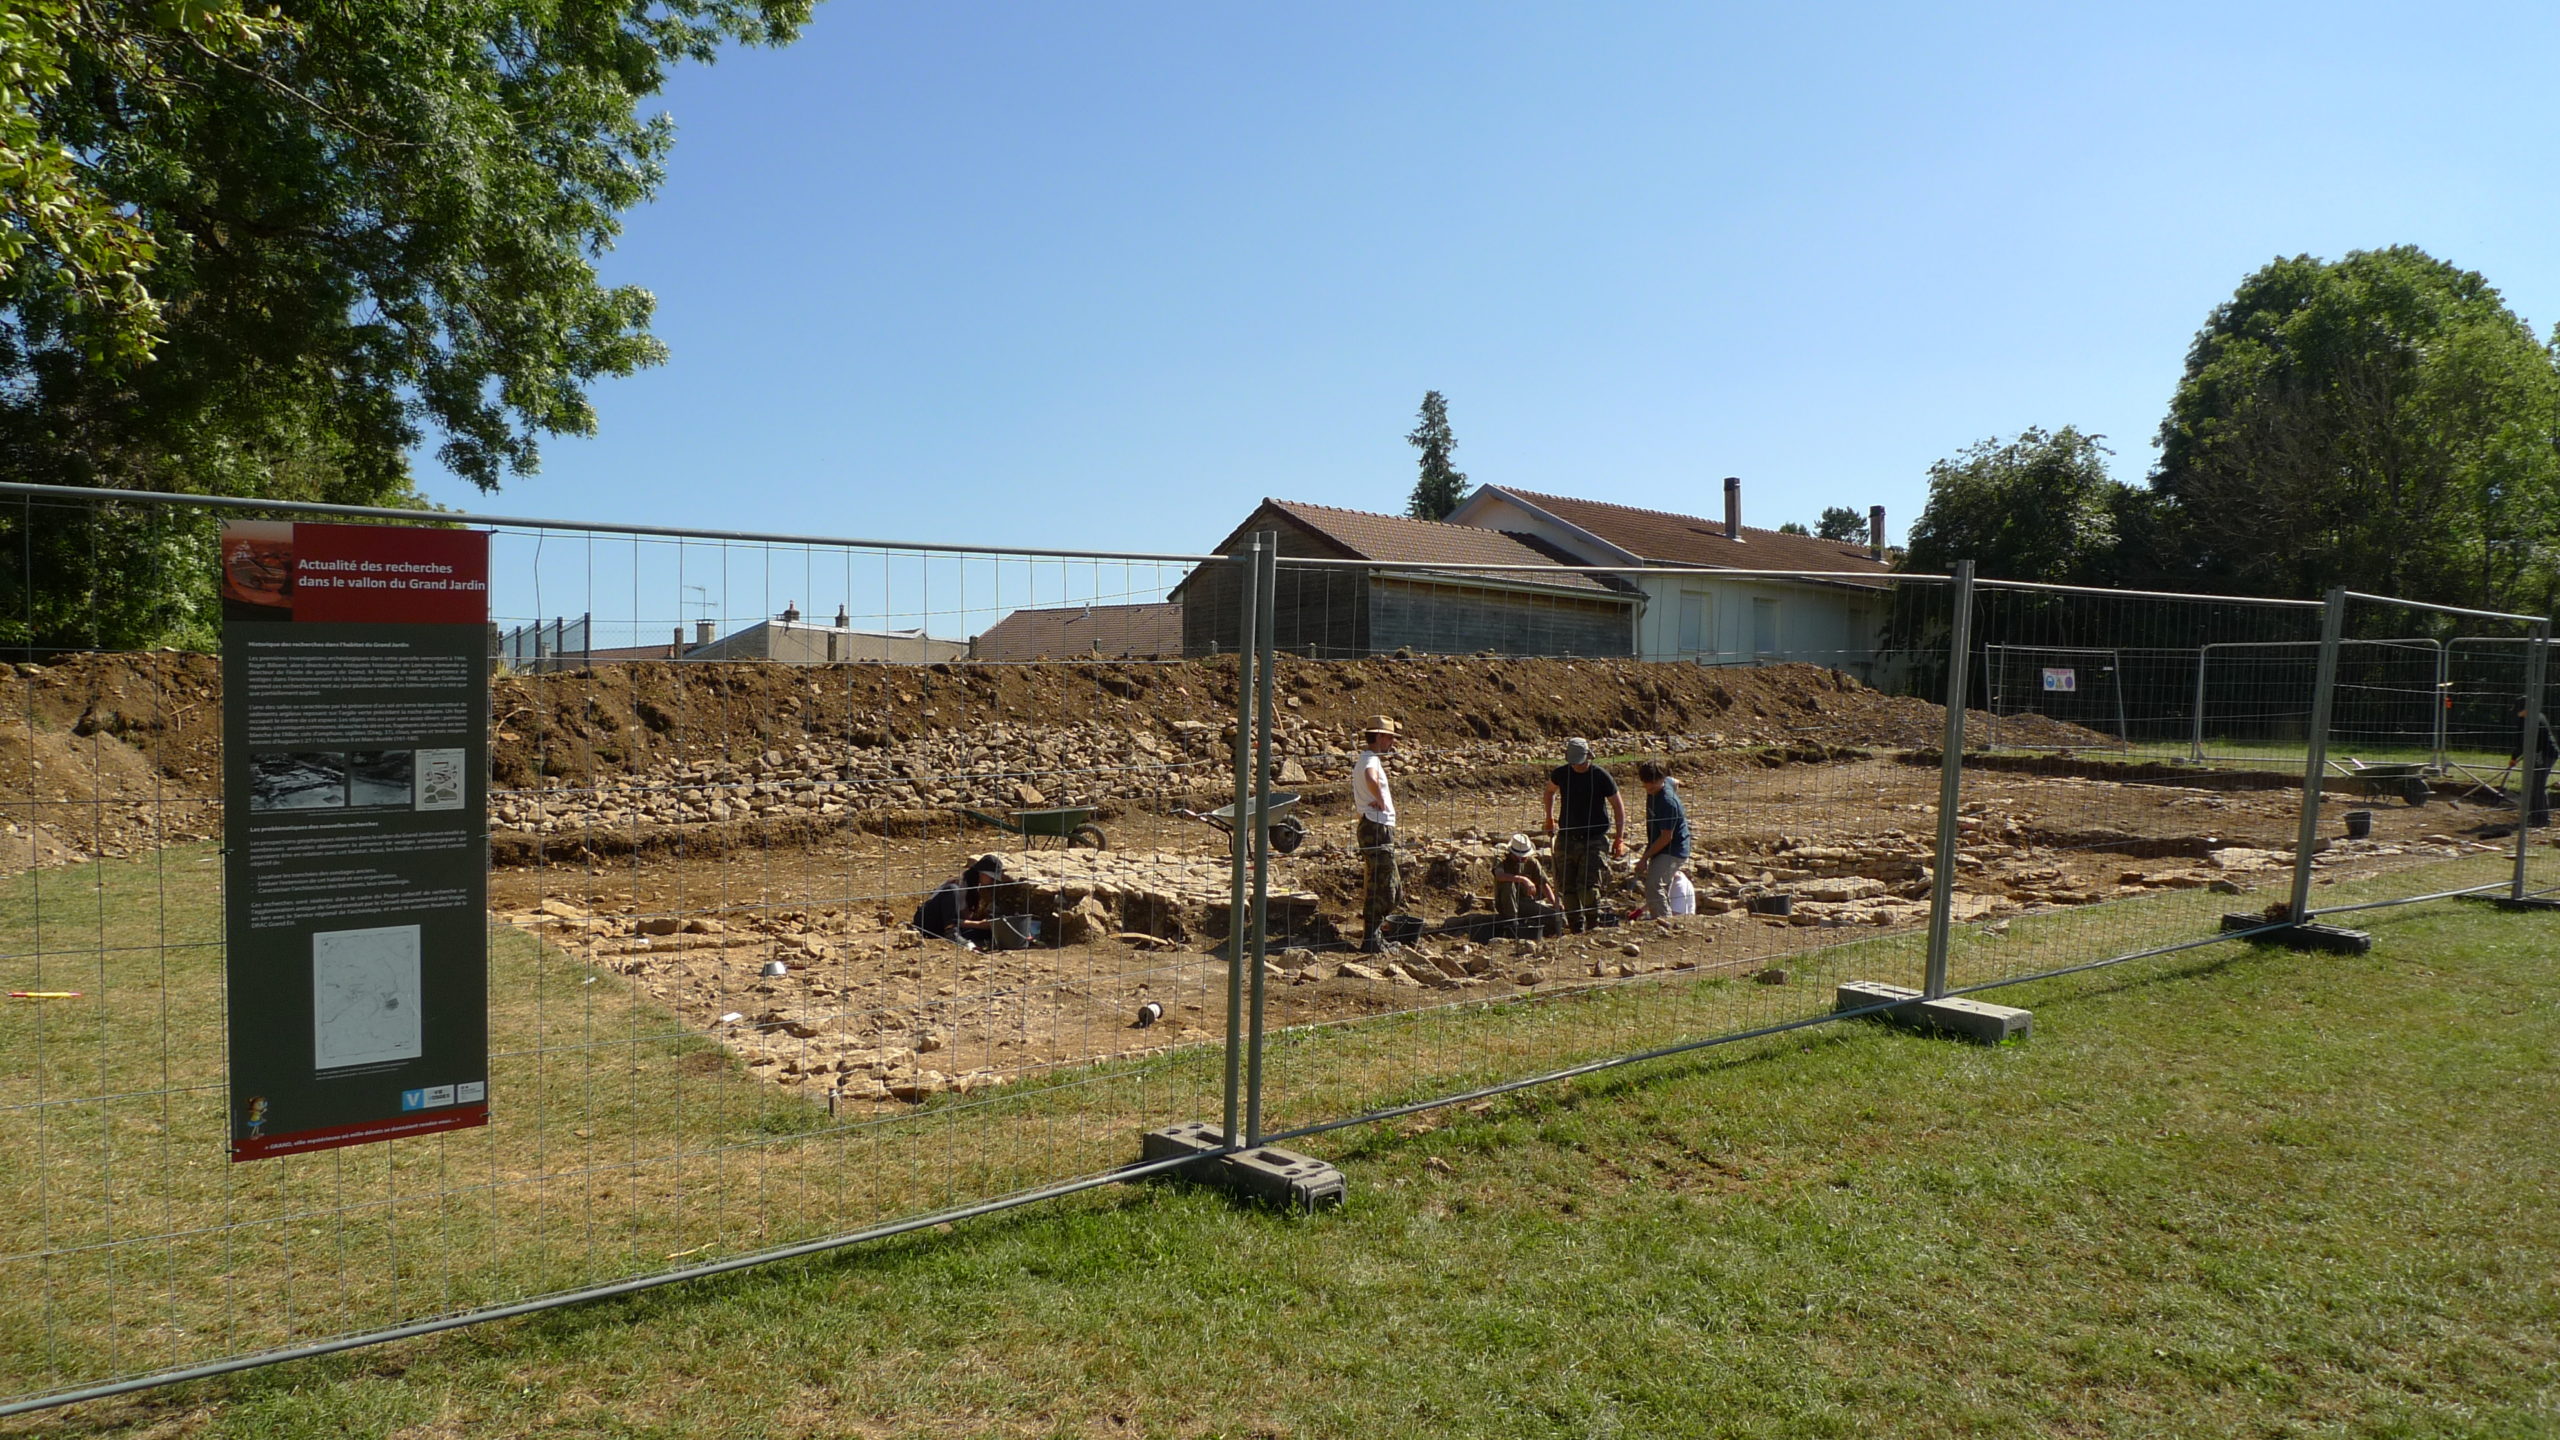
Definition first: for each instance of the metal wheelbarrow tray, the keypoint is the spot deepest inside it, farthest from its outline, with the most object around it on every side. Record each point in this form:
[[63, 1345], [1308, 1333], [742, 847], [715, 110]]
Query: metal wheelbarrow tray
[[1287, 831], [1072, 824], [2407, 781]]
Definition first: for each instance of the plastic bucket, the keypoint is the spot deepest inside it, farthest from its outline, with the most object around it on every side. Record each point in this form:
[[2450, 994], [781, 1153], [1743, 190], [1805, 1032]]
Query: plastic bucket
[[2359, 824]]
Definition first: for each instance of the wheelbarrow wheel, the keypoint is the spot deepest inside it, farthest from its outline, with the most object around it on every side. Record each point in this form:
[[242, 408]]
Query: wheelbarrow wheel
[[1087, 836], [1286, 832]]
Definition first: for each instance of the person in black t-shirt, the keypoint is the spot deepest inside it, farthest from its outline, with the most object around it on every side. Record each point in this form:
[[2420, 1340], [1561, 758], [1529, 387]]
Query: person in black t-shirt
[[958, 910], [1582, 806]]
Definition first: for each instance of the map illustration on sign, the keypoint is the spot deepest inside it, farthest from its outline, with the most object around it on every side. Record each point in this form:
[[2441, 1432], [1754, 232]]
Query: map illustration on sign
[[2062, 680], [365, 995], [440, 780]]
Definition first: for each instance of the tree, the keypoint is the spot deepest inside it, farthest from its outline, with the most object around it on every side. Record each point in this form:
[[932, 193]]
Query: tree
[[2381, 421], [268, 251], [1840, 522], [1792, 527], [1441, 486], [2040, 507]]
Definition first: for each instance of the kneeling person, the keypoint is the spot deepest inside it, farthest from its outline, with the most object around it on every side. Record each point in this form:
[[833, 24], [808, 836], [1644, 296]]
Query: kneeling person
[[960, 910], [1522, 899]]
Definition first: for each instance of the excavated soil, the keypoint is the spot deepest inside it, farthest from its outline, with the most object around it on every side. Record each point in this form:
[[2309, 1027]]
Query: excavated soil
[[688, 827], [114, 755]]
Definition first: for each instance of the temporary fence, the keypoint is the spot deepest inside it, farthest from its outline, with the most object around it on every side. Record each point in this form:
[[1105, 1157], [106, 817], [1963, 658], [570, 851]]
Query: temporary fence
[[715, 1040]]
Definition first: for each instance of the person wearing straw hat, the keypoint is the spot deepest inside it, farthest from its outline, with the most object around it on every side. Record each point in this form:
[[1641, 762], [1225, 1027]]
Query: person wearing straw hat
[[1382, 892], [1524, 903], [1590, 809]]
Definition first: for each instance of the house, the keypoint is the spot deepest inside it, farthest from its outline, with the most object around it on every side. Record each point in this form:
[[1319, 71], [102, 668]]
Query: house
[[794, 641], [1417, 591], [1150, 631], [1830, 612]]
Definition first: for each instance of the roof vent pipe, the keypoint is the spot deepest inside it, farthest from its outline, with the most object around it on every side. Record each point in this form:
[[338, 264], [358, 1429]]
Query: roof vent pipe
[[1875, 531], [1733, 507]]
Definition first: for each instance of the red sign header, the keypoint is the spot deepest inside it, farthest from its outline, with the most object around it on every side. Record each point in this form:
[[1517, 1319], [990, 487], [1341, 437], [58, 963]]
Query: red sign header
[[360, 573]]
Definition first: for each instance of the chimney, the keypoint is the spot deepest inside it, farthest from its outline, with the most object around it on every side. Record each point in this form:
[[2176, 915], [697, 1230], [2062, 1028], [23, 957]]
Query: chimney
[[701, 632], [1733, 507], [844, 618], [790, 612], [1875, 531], [675, 647]]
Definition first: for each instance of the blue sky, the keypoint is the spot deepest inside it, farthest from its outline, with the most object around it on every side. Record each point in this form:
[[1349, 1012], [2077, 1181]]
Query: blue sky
[[1106, 275]]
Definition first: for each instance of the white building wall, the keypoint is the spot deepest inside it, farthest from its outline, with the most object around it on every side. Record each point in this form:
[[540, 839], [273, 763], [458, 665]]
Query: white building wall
[[1815, 623]]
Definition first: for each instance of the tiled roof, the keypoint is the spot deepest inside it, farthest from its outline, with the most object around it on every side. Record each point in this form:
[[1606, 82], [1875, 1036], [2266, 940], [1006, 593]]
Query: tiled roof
[[1403, 540], [1144, 631], [1664, 538]]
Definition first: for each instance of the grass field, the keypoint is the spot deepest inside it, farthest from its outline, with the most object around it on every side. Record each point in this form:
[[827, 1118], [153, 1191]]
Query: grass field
[[2235, 1192]]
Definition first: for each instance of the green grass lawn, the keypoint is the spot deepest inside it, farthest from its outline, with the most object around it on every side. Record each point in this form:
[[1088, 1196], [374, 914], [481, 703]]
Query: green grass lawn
[[2232, 1192]]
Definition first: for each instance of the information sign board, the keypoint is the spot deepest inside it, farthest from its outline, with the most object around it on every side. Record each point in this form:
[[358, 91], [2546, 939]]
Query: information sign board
[[355, 704]]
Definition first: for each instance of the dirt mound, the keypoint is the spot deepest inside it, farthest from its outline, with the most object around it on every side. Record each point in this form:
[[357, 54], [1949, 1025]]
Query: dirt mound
[[112, 755], [117, 754]]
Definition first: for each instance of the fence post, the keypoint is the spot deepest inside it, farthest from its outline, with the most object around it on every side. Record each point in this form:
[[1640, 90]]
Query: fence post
[[2443, 699], [1248, 623], [1267, 576], [2536, 662], [1942, 870], [2195, 750], [2315, 760]]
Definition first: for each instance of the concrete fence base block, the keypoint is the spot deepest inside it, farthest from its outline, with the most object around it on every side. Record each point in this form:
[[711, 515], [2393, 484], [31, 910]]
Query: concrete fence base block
[[2307, 935], [1266, 1172], [1953, 1015]]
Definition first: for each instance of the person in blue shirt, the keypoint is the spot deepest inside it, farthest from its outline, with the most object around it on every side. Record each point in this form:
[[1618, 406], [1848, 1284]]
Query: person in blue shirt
[[1666, 836]]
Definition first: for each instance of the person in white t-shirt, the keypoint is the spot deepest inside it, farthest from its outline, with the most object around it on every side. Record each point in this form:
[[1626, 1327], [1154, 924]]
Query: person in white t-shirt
[[1376, 802]]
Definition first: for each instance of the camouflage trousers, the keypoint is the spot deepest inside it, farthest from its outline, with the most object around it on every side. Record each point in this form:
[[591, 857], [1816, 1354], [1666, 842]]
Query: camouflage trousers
[[1577, 855], [1384, 893]]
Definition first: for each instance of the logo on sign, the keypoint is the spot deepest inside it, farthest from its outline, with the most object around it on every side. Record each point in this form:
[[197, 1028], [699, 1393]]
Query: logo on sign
[[413, 1099], [2062, 679]]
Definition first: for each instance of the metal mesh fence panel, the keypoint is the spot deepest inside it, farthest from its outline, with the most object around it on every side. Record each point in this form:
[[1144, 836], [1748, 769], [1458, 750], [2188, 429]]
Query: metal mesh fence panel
[[2094, 836], [714, 1032], [2421, 760], [1802, 757]]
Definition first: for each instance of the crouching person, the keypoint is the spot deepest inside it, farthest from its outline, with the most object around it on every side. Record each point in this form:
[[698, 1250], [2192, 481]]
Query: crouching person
[[1524, 902], [962, 910]]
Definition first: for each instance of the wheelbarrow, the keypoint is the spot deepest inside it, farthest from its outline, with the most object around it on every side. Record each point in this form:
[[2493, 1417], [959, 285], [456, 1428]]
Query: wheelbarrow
[[1072, 824], [2407, 781], [1286, 830]]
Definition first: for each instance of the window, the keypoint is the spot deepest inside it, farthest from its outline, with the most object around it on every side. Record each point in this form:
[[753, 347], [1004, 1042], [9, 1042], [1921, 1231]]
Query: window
[[1764, 627], [1693, 623]]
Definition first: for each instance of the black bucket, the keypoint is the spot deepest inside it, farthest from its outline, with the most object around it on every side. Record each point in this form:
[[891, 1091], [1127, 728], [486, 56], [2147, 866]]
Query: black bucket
[[2359, 824]]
